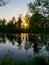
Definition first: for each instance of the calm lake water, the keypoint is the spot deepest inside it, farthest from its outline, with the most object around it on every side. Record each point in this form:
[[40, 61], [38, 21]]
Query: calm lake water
[[23, 46]]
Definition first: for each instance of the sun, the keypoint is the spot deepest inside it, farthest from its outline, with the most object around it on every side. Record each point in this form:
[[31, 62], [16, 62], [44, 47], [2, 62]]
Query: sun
[[24, 25]]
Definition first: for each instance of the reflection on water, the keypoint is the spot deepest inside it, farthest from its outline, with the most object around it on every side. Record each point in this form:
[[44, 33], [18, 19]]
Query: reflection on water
[[24, 37], [23, 46]]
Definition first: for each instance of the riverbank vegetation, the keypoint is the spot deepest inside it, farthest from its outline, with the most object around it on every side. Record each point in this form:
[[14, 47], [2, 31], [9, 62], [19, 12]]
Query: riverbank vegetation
[[38, 60], [37, 22], [33, 24]]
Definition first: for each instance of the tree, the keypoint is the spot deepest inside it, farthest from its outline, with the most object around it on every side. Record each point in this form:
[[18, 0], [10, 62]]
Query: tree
[[36, 22], [27, 20], [40, 6], [3, 2], [4, 22], [40, 11], [19, 22]]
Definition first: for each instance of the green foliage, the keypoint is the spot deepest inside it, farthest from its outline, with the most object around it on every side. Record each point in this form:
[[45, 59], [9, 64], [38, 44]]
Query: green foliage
[[39, 21], [11, 27], [38, 60], [7, 61], [35, 6]]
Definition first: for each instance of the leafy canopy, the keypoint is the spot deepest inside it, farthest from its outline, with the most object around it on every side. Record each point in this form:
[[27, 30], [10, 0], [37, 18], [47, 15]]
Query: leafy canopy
[[40, 6], [4, 2]]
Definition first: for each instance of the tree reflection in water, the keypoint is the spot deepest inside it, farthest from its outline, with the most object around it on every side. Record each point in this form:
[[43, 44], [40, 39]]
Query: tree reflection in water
[[2, 38], [9, 54], [25, 40]]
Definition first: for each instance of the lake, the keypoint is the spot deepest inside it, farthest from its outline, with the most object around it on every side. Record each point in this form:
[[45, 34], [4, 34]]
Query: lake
[[23, 46]]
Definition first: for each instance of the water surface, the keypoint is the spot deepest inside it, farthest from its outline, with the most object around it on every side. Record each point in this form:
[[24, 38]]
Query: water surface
[[23, 46]]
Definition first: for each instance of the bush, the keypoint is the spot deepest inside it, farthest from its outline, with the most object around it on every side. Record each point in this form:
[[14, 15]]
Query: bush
[[7, 61], [39, 60]]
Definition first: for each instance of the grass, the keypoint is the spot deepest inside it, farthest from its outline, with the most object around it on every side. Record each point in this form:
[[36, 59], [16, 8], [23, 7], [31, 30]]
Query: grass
[[39, 60]]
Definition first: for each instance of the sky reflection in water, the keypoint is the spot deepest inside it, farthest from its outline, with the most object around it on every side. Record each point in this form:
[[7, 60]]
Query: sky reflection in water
[[22, 47]]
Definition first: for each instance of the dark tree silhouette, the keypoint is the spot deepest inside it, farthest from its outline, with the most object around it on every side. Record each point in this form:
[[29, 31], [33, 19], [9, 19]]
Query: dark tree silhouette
[[4, 2], [40, 12], [19, 23], [39, 6]]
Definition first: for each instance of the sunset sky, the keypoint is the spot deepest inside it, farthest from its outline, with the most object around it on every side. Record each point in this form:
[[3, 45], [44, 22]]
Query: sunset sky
[[14, 8]]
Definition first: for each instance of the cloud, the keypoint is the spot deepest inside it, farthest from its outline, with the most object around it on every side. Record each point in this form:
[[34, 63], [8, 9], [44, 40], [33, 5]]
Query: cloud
[[17, 9]]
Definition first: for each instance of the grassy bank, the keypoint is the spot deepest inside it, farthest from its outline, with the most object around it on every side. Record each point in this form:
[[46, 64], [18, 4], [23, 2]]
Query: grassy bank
[[39, 60]]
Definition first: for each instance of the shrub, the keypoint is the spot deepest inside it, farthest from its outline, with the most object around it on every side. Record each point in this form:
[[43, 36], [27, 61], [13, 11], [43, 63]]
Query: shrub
[[39, 60]]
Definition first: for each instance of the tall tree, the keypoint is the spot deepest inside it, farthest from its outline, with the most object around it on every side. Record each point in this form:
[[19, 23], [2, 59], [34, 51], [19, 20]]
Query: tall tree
[[19, 21], [40, 11]]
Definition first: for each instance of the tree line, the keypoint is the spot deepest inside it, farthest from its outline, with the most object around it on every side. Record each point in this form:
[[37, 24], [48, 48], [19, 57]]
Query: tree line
[[12, 26], [38, 21]]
